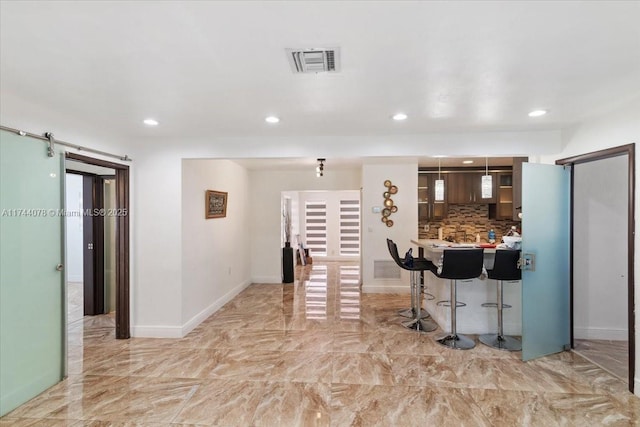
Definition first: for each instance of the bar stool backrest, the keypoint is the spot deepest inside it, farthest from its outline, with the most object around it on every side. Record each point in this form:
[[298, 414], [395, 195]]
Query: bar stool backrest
[[462, 263], [505, 266], [393, 250]]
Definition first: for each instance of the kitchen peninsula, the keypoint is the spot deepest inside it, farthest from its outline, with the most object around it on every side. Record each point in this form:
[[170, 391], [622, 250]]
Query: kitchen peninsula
[[472, 318]]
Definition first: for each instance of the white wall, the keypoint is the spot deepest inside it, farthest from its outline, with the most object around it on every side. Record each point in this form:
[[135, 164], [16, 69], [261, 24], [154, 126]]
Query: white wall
[[617, 127], [73, 228], [600, 276], [375, 232], [266, 187], [215, 265], [156, 284]]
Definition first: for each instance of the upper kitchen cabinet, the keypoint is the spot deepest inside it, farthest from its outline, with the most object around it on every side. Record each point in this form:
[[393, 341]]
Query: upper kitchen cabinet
[[466, 188], [504, 205], [429, 208]]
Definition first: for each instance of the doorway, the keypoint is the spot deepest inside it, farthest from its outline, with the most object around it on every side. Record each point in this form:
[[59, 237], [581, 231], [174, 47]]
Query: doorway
[[90, 240], [602, 252], [105, 250]]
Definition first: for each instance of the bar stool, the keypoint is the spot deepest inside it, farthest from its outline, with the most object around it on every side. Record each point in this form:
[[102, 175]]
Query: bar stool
[[458, 264], [505, 267], [408, 312], [418, 322]]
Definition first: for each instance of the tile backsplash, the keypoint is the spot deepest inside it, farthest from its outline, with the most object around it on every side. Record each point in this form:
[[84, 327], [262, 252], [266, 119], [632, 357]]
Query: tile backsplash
[[465, 221]]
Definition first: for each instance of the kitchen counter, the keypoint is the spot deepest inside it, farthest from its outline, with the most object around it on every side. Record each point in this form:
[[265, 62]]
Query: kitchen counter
[[433, 249], [473, 318]]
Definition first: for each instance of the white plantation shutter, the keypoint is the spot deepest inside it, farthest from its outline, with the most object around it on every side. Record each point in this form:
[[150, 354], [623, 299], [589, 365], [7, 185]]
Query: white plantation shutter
[[316, 227], [350, 227]]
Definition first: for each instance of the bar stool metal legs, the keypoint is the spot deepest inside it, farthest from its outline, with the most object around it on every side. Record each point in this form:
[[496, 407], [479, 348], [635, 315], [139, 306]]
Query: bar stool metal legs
[[454, 340], [409, 312], [499, 340], [418, 323]]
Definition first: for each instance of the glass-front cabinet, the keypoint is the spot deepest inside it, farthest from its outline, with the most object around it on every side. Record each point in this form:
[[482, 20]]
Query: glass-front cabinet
[[428, 207]]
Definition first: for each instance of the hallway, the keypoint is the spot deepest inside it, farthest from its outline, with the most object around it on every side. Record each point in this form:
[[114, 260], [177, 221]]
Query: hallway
[[317, 352]]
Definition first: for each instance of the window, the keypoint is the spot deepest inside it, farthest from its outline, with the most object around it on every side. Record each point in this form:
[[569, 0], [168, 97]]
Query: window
[[316, 227], [350, 227]]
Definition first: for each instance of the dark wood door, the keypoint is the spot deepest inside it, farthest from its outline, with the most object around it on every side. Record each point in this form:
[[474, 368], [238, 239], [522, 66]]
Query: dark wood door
[[93, 244]]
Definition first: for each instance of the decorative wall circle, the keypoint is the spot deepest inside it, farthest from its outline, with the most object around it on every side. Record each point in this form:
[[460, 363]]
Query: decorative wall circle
[[389, 207]]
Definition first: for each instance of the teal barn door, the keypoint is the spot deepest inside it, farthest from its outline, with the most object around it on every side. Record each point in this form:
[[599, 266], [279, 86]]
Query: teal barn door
[[31, 279], [546, 226]]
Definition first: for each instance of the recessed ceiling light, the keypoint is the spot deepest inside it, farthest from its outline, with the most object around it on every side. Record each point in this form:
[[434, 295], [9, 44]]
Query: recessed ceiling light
[[537, 113], [272, 119], [399, 117], [150, 122], [467, 162]]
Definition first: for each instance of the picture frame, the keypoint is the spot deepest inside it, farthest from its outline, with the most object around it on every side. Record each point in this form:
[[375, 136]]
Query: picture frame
[[215, 204]]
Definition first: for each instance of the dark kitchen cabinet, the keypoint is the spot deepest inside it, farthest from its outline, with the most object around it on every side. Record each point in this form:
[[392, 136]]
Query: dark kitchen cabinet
[[428, 208], [466, 188]]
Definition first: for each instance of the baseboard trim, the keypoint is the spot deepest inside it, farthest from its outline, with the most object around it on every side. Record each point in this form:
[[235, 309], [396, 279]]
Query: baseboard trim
[[153, 331], [215, 306], [600, 334], [156, 332]]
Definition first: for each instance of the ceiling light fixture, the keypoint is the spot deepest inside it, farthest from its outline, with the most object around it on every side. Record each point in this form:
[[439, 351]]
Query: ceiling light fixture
[[150, 122], [467, 162], [272, 119], [537, 113], [399, 117], [320, 168]]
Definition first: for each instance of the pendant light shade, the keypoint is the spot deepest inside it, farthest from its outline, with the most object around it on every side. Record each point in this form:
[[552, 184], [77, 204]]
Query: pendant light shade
[[487, 182], [439, 187]]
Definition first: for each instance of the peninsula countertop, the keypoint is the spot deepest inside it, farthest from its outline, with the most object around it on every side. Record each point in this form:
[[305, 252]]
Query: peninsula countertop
[[433, 249]]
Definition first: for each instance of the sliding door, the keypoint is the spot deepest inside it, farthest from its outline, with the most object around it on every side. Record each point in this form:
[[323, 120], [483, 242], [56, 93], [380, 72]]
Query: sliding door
[[31, 277]]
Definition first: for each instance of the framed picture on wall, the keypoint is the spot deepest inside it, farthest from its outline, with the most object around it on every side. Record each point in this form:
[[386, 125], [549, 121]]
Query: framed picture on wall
[[215, 204]]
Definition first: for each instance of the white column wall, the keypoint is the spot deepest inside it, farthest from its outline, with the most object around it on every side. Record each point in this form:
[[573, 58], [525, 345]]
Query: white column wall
[[156, 285], [375, 232]]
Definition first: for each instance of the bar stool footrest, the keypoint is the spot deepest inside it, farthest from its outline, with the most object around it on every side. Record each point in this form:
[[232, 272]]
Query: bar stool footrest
[[407, 312], [494, 305], [447, 303]]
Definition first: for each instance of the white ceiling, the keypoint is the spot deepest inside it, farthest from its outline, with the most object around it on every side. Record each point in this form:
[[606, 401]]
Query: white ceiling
[[218, 68]]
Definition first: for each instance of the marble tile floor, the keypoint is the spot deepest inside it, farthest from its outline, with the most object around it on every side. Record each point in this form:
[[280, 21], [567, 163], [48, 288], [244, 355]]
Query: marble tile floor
[[317, 353], [75, 301], [612, 356]]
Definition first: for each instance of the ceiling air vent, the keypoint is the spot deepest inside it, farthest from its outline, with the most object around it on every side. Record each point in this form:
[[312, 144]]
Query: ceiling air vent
[[314, 60]]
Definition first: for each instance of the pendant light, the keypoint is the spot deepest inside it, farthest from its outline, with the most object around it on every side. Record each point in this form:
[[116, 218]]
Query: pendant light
[[439, 187], [487, 182]]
